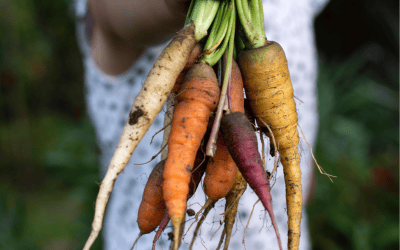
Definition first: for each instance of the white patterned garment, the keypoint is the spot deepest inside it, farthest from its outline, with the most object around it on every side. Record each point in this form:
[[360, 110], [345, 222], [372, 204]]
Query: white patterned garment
[[109, 99]]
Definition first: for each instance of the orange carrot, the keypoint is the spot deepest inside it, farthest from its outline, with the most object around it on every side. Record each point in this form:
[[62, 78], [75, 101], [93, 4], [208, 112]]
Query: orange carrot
[[152, 201], [220, 173], [221, 170], [197, 98], [236, 94], [200, 164], [191, 61], [172, 100], [152, 209]]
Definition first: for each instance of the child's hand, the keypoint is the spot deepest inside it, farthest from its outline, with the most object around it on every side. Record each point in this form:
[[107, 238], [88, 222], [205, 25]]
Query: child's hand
[[124, 28]]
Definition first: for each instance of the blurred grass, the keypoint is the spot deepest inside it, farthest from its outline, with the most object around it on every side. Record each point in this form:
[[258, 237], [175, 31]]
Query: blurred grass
[[49, 159], [358, 143], [358, 139]]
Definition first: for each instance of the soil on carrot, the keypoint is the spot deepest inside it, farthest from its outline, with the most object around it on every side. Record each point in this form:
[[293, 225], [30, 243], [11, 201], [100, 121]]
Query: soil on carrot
[[134, 117]]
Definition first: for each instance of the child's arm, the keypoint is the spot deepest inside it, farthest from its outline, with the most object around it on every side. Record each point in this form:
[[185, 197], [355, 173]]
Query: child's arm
[[124, 28]]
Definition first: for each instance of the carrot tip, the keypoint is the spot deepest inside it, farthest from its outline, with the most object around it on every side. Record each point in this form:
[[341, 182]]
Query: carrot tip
[[176, 236], [176, 223]]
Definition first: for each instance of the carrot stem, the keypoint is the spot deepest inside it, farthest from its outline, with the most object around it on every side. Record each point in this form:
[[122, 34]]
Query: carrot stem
[[244, 16], [242, 42], [261, 11], [255, 17], [245, 8], [218, 29], [214, 57], [189, 13], [203, 13], [211, 145], [252, 21], [228, 97]]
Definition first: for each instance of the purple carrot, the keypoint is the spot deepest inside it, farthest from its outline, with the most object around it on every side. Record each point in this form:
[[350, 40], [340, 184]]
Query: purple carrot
[[241, 141], [163, 225]]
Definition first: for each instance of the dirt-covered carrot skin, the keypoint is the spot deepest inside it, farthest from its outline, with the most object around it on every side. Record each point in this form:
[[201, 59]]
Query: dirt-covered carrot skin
[[242, 143], [145, 108], [269, 89], [171, 99], [197, 98]]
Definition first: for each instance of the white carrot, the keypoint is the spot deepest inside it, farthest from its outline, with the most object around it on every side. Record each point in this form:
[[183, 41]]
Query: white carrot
[[145, 108]]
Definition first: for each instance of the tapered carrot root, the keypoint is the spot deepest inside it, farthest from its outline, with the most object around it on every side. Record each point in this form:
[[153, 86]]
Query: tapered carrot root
[[269, 89], [231, 206], [146, 107], [241, 140], [199, 168], [152, 209], [197, 98]]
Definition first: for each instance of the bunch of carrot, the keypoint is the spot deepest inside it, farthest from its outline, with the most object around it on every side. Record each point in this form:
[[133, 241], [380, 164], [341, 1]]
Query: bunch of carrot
[[202, 103]]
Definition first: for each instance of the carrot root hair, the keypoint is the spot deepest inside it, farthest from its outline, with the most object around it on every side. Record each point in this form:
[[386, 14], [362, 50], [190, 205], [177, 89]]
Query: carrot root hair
[[134, 243], [203, 217]]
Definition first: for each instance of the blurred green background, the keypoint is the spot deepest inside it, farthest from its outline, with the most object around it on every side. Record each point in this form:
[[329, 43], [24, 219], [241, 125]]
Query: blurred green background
[[49, 160]]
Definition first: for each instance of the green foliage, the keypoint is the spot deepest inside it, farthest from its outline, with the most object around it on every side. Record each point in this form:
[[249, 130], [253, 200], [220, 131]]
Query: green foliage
[[357, 142], [48, 150], [51, 208], [358, 138]]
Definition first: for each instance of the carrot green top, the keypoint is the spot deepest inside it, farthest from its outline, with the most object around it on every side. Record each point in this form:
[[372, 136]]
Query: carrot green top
[[251, 17]]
